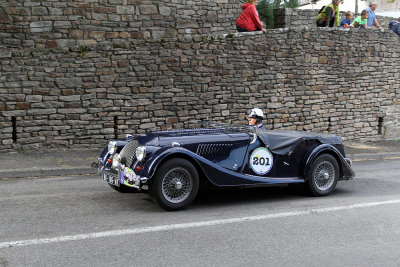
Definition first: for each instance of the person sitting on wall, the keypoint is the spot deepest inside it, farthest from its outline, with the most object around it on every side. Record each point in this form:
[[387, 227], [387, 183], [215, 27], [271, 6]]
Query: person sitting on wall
[[249, 20], [361, 21], [395, 26], [371, 15], [329, 15], [347, 21], [255, 118]]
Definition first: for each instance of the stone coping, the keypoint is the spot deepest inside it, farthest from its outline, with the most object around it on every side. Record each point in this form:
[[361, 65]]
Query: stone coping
[[129, 44]]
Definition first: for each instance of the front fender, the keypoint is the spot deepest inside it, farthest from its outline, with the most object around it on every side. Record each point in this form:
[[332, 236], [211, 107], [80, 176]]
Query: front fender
[[344, 166], [152, 163]]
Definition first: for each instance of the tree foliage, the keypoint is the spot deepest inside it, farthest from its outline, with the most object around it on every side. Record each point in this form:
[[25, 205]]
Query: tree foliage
[[265, 9]]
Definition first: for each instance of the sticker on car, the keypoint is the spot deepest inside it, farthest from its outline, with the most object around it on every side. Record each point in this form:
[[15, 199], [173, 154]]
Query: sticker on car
[[261, 160]]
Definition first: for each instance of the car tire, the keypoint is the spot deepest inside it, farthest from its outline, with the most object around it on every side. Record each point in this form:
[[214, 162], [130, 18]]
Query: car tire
[[323, 175], [124, 189], [175, 184]]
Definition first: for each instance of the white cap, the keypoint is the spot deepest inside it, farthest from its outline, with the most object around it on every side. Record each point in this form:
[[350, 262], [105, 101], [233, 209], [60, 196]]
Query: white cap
[[256, 112]]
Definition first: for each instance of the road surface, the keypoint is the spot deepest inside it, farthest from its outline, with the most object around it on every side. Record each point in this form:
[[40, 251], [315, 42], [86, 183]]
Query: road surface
[[80, 221]]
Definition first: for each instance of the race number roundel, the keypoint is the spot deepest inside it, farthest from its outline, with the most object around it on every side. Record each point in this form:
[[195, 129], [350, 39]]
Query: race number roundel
[[261, 160]]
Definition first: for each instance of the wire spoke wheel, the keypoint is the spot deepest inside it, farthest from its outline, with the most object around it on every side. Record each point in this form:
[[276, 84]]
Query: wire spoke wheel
[[324, 175], [177, 185]]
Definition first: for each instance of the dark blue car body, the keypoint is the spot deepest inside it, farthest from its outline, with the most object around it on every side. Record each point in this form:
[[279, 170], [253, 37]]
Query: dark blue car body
[[225, 156]]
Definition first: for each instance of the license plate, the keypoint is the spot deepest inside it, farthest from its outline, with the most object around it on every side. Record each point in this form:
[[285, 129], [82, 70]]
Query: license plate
[[111, 179]]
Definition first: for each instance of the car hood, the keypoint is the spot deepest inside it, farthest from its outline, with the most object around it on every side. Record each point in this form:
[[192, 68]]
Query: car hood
[[190, 136]]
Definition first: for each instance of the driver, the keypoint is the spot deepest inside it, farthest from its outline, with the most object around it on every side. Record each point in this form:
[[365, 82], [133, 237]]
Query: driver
[[255, 118]]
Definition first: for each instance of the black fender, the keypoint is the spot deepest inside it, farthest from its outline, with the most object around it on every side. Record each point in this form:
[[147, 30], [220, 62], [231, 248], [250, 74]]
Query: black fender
[[151, 164], [216, 174], [344, 163]]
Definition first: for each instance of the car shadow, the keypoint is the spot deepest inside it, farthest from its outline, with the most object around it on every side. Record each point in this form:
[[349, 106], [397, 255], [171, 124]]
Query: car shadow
[[229, 196]]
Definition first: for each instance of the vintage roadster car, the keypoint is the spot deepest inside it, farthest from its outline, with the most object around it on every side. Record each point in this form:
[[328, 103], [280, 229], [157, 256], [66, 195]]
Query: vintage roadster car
[[172, 164]]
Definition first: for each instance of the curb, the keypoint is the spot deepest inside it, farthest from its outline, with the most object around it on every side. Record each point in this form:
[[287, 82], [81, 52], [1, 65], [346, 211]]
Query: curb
[[46, 172], [381, 156]]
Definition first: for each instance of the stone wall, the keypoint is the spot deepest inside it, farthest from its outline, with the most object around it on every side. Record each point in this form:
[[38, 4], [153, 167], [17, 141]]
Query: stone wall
[[391, 128], [64, 23], [82, 97], [289, 17]]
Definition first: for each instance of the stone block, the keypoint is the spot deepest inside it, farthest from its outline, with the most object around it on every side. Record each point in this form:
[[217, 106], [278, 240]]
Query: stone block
[[75, 82], [116, 2], [65, 43], [76, 34], [126, 10], [148, 9], [22, 105], [111, 35], [42, 111], [164, 11], [71, 110], [114, 18], [5, 54], [70, 98], [39, 11], [62, 24], [107, 10], [138, 35], [96, 34], [41, 26], [68, 91], [99, 16], [56, 11], [5, 18], [145, 126], [51, 44], [86, 42], [7, 142], [30, 84], [185, 23], [124, 35], [157, 34], [123, 63], [323, 60]]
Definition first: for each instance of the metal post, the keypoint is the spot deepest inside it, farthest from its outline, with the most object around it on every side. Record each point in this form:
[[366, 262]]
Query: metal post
[[356, 11]]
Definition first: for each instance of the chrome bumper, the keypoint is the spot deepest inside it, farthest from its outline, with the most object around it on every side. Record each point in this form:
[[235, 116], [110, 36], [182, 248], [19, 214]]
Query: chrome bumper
[[98, 165], [112, 176]]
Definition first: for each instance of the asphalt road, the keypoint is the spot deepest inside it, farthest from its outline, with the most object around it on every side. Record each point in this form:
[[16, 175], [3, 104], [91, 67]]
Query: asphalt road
[[80, 221]]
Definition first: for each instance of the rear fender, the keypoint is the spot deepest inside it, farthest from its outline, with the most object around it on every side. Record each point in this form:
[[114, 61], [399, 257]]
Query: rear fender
[[346, 172]]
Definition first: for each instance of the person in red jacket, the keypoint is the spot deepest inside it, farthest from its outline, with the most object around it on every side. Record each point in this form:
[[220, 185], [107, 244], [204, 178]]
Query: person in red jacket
[[249, 20]]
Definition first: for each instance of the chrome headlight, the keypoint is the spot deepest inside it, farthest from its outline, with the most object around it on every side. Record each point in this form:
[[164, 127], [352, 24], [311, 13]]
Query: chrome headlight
[[115, 161], [112, 145], [140, 153]]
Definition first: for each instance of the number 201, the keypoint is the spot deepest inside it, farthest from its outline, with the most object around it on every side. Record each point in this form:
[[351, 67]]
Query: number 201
[[261, 161]]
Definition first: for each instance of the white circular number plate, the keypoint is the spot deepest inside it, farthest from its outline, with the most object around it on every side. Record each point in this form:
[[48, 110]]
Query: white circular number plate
[[261, 160]]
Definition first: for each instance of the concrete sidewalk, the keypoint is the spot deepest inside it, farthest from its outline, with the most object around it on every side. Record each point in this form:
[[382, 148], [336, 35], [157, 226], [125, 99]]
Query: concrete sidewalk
[[45, 163], [376, 150]]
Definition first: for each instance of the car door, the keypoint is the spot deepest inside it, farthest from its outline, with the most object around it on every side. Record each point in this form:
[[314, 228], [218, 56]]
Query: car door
[[260, 161]]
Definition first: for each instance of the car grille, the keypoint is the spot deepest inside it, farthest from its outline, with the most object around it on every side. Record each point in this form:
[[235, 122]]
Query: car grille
[[215, 151], [128, 153]]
